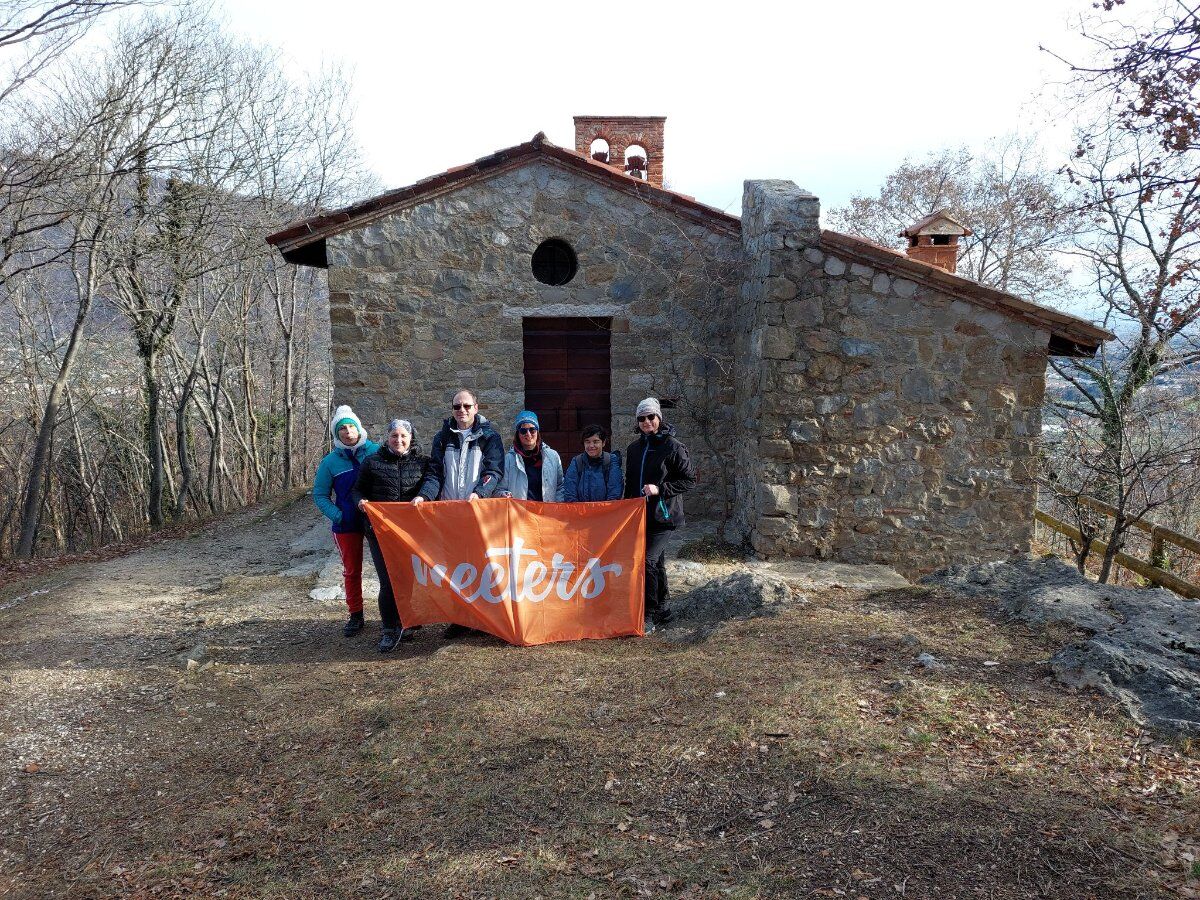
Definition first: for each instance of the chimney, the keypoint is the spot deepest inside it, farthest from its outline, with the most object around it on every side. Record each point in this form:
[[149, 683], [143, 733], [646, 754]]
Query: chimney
[[631, 144], [934, 239]]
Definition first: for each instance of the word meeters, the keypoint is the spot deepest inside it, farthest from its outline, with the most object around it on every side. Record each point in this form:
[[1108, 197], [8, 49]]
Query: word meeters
[[510, 576]]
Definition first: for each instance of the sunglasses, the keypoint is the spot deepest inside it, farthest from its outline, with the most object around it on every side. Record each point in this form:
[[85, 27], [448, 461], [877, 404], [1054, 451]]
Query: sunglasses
[[458, 406], [648, 418], [530, 430]]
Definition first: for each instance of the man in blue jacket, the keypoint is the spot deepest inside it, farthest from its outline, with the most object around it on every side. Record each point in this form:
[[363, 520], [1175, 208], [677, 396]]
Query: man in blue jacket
[[467, 456], [466, 463], [593, 475], [332, 492]]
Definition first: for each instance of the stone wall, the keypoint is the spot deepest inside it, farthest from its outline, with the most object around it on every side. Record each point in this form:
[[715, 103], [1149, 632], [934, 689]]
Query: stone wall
[[431, 297], [893, 422]]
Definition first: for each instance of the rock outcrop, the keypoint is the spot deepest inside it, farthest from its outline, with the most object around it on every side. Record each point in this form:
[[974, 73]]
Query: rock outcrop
[[1144, 645]]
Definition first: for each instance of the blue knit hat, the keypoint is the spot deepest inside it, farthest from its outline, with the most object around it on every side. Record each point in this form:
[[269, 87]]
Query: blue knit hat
[[525, 417]]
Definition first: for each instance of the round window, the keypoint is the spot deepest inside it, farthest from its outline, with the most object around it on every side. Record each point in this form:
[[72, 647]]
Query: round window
[[554, 262]]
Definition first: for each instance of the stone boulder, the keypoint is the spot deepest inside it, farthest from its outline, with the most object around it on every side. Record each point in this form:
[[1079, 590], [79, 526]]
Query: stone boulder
[[1143, 648], [308, 554], [709, 602]]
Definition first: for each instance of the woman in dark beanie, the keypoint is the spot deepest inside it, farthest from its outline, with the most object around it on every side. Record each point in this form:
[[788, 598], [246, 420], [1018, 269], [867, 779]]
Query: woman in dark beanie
[[392, 475], [658, 468]]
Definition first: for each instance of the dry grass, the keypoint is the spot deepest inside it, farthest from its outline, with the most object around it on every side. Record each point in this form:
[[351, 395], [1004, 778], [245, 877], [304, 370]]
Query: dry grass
[[797, 756]]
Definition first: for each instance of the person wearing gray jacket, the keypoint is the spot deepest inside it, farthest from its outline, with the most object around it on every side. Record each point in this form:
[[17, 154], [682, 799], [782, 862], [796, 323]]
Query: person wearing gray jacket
[[467, 457], [532, 469]]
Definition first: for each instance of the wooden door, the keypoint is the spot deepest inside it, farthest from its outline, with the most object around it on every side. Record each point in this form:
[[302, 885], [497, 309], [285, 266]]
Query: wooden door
[[567, 378]]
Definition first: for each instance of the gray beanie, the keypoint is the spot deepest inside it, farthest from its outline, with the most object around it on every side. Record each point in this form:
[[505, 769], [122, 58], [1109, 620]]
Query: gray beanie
[[649, 407]]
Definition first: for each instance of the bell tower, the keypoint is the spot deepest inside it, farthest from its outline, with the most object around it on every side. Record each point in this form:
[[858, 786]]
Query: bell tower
[[633, 144]]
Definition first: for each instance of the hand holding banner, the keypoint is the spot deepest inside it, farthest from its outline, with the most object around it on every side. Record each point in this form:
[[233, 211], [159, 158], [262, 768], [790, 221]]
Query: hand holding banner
[[526, 572]]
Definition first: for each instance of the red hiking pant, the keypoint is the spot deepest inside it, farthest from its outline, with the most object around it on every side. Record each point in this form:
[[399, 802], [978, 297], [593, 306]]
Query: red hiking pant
[[350, 545]]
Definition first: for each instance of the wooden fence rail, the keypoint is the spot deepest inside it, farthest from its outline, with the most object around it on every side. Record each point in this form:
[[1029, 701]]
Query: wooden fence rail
[[1158, 537]]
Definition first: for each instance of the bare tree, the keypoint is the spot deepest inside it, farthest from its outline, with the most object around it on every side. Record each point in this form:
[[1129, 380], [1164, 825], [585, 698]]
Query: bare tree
[[1147, 74], [1122, 411], [1145, 464], [1007, 196], [35, 33], [173, 152]]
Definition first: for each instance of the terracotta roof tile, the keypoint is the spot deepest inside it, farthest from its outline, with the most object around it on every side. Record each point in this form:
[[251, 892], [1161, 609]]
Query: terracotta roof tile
[[1073, 333], [930, 219], [299, 235]]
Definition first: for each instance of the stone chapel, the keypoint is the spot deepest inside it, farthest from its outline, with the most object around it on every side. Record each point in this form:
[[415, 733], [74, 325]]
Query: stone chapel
[[840, 399]]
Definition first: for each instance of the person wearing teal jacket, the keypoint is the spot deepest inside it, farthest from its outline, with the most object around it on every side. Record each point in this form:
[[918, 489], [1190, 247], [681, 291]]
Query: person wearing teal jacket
[[332, 491]]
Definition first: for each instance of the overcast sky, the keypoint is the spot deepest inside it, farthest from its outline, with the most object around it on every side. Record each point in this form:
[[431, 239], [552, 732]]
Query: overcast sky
[[832, 95]]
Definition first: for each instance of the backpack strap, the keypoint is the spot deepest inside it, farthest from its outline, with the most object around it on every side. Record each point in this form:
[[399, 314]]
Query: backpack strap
[[612, 458]]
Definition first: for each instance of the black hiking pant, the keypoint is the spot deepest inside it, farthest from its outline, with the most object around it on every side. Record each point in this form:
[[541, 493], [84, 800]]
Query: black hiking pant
[[388, 614], [658, 597]]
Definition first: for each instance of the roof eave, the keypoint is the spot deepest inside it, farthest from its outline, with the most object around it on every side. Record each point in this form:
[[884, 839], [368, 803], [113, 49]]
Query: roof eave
[[290, 240], [1069, 335]]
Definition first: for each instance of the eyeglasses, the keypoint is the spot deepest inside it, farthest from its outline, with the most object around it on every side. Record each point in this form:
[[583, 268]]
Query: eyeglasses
[[458, 406], [648, 418], [530, 430]]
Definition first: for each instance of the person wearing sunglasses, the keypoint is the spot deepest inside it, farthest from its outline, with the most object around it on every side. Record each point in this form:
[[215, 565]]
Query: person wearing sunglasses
[[466, 463], [532, 469], [467, 456], [657, 467], [393, 474]]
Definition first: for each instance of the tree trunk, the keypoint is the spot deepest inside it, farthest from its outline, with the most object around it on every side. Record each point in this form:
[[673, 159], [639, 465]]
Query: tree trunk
[[183, 449], [153, 445], [38, 470]]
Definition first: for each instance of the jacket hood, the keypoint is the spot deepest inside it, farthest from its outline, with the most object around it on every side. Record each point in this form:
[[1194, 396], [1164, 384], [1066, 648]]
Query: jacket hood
[[341, 413], [481, 424], [414, 449], [515, 449], [665, 430]]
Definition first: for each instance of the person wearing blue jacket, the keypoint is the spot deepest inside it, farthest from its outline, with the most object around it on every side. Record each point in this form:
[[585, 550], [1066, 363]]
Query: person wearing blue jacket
[[532, 469], [332, 491], [593, 475]]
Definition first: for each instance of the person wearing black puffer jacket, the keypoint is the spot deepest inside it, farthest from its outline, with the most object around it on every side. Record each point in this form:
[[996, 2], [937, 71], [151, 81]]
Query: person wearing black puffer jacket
[[392, 475], [657, 467]]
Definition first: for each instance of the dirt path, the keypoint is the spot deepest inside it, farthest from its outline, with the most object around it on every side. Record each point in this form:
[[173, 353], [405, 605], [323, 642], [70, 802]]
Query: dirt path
[[804, 755]]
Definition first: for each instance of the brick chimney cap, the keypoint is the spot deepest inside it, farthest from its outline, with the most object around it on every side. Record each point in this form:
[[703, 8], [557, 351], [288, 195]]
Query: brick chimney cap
[[623, 119], [940, 222]]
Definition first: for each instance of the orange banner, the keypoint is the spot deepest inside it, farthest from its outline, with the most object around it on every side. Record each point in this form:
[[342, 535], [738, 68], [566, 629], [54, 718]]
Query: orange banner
[[526, 572]]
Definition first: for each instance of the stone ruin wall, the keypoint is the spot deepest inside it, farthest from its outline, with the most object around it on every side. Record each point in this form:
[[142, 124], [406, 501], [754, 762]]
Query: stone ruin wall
[[431, 297], [894, 423]]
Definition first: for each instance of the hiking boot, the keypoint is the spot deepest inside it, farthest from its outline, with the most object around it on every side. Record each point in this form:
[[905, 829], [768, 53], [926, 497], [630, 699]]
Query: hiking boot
[[407, 634], [663, 617], [648, 627], [353, 625], [454, 632], [389, 640]]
